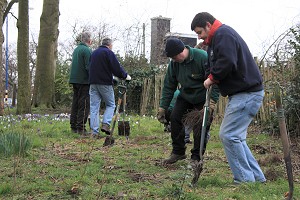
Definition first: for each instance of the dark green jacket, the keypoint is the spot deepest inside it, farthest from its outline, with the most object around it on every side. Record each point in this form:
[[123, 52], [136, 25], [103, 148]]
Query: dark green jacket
[[80, 64], [190, 74]]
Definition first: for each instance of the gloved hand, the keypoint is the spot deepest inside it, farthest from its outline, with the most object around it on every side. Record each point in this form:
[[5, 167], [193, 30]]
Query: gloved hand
[[161, 115], [128, 78], [116, 80]]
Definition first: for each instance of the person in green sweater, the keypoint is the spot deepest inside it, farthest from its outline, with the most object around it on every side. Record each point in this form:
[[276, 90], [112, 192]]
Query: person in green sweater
[[187, 68], [79, 78]]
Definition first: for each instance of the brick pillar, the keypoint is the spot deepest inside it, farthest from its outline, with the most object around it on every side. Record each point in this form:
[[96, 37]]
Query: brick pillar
[[160, 26]]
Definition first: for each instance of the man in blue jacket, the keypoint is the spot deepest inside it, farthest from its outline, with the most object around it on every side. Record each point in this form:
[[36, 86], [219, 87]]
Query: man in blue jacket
[[104, 65], [234, 70]]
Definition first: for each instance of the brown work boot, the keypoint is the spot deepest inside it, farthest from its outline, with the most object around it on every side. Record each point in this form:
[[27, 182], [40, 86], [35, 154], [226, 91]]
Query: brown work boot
[[173, 159], [83, 133], [97, 136], [74, 130], [105, 128]]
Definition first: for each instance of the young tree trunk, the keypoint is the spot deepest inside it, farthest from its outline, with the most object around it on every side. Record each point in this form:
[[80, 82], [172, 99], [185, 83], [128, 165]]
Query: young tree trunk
[[2, 7], [43, 95], [24, 94]]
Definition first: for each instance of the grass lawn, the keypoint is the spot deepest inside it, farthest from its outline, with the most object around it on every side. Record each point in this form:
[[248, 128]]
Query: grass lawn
[[60, 164]]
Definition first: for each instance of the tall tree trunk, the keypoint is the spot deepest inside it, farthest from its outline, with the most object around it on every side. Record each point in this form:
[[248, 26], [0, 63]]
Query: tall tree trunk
[[2, 7], [43, 95], [24, 94]]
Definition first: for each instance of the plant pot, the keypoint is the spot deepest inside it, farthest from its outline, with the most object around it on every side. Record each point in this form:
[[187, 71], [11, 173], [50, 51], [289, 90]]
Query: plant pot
[[123, 128]]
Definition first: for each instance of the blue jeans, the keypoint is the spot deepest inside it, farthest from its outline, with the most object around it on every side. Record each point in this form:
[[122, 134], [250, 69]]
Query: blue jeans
[[98, 93], [239, 112]]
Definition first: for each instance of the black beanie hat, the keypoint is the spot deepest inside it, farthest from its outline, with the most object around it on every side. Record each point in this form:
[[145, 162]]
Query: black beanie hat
[[174, 46]]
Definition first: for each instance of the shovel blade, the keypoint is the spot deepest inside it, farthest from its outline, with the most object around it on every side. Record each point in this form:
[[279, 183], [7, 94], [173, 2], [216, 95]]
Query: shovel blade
[[109, 141], [197, 171]]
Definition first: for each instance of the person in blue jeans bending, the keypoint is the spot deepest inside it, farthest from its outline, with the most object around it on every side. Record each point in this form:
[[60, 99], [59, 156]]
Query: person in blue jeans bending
[[104, 65], [234, 70]]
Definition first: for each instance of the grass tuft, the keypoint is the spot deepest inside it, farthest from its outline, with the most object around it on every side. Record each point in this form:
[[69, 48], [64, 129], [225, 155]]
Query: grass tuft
[[14, 144]]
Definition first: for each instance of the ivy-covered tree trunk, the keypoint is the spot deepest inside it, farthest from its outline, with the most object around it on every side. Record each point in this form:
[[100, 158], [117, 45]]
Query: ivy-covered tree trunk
[[24, 94], [293, 90], [2, 7], [43, 95]]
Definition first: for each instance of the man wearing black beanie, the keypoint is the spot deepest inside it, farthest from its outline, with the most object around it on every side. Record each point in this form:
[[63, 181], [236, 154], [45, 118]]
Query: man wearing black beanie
[[187, 68]]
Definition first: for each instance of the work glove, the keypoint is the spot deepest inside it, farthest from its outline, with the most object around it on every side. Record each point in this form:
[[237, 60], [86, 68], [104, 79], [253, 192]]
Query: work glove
[[128, 77], [161, 115], [116, 80]]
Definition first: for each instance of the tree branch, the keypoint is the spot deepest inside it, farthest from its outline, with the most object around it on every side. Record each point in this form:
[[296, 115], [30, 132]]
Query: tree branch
[[11, 3], [279, 38]]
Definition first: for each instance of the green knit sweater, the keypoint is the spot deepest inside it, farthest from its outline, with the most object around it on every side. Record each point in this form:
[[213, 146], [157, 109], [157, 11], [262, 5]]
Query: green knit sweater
[[190, 74]]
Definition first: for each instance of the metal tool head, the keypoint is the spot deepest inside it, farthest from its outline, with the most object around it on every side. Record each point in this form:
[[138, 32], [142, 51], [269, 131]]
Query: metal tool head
[[197, 171], [109, 141]]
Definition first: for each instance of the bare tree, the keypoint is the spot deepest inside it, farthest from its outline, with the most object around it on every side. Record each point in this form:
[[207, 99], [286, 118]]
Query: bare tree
[[43, 95], [2, 7], [5, 8], [24, 90], [12, 73]]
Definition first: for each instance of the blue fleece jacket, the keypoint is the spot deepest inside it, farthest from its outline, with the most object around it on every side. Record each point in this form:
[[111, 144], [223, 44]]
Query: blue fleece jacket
[[231, 63], [104, 64]]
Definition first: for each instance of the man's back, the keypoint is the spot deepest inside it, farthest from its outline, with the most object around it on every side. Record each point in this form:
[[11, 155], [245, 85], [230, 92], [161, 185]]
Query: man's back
[[104, 64], [80, 62]]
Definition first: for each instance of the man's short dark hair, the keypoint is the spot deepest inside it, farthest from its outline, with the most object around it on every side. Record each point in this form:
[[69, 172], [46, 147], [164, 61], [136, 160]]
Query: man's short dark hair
[[200, 20]]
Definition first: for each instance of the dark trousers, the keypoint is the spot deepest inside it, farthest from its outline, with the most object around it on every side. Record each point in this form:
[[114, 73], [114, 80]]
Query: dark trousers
[[181, 108], [80, 107], [168, 117]]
